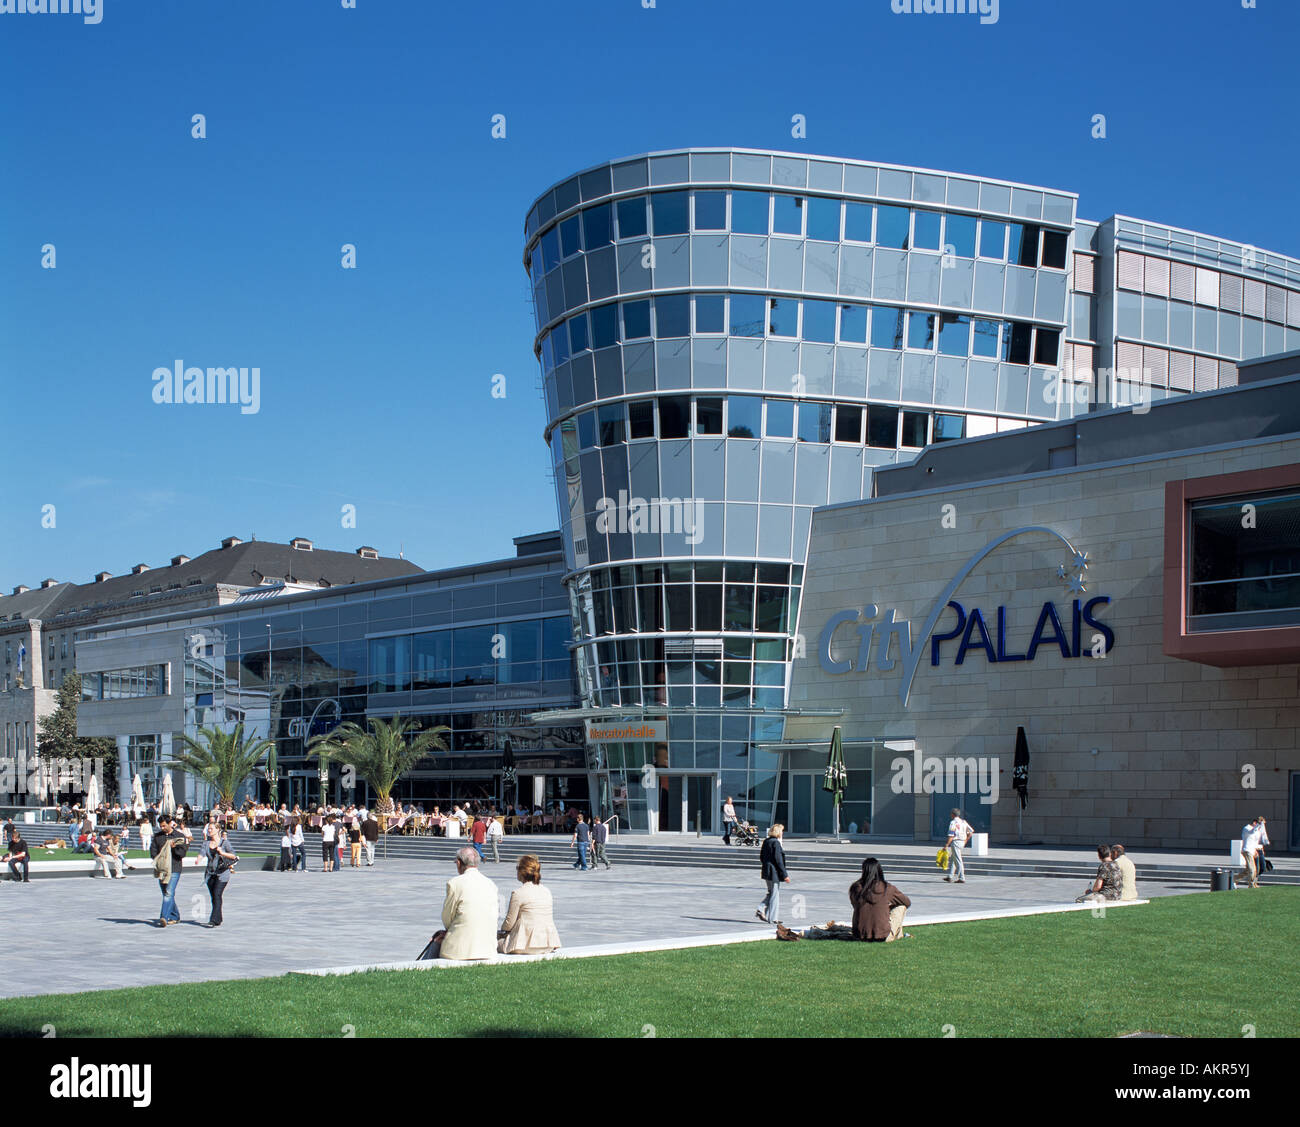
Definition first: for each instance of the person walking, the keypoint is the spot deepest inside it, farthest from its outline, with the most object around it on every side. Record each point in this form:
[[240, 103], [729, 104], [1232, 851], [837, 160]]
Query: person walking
[[370, 835], [771, 858], [168, 849], [959, 831], [221, 864], [1252, 838], [298, 843], [728, 820], [354, 841], [478, 834], [599, 835], [495, 832], [582, 839], [328, 839]]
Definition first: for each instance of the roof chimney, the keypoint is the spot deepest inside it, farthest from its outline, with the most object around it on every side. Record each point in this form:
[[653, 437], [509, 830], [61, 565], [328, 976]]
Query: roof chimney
[[47, 583], [139, 569], [21, 589], [103, 575], [231, 541], [367, 553], [178, 560], [301, 543]]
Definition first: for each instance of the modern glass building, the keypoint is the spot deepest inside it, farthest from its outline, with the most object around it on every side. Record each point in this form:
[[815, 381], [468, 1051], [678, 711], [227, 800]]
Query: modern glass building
[[730, 339]]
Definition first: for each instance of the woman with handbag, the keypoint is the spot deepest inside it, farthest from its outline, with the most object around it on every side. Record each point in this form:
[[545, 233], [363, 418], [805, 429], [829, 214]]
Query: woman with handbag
[[221, 865]]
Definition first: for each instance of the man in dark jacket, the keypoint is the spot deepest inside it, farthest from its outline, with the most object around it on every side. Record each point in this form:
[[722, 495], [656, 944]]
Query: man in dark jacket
[[177, 840], [772, 859], [370, 835]]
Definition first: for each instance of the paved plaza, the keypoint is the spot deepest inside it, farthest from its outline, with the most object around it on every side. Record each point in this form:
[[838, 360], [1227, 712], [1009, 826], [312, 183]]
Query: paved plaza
[[76, 934]]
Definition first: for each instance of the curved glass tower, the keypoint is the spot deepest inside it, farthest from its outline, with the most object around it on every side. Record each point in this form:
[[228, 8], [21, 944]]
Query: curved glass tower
[[731, 338]]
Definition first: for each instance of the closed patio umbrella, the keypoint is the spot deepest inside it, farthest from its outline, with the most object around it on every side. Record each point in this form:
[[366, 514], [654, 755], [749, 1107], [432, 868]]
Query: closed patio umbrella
[[167, 804], [1020, 777], [92, 800], [836, 776]]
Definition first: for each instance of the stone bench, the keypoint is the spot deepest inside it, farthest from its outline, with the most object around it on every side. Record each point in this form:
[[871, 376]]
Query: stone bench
[[88, 866]]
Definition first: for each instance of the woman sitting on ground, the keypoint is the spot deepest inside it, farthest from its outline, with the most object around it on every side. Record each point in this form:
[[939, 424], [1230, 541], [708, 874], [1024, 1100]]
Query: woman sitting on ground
[[529, 927], [878, 911], [1109, 882]]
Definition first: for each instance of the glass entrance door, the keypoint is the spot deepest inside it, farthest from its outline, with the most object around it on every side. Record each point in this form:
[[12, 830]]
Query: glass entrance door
[[686, 803], [812, 810]]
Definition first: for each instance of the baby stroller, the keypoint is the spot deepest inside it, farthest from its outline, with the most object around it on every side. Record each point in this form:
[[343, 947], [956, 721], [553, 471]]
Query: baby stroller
[[744, 833]]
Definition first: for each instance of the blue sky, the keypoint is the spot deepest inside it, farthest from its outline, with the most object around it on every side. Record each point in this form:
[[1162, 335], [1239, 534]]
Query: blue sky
[[371, 126]]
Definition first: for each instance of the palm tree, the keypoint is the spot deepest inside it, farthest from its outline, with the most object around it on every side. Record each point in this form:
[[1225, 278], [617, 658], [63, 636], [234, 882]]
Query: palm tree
[[223, 760], [382, 755]]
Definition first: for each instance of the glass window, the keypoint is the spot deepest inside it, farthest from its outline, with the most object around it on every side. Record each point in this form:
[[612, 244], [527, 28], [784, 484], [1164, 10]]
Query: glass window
[[611, 424], [604, 326], [780, 418], [819, 321], [596, 226], [636, 319], [848, 424], [1047, 343], [744, 416], [920, 331], [948, 427], [853, 323], [783, 317], [993, 239], [674, 416], [748, 315], [814, 422], [641, 419], [749, 213], [708, 606], [571, 236], [824, 219], [671, 212], [857, 222], [770, 617], [673, 316], [915, 427], [1054, 249], [710, 211], [954, 334], [587, 429], [711, 313], [892, 226], [578, 333], [959, 234], [882, 427], [925, 230], [1241, 579], [432, 660], [708, 416], [550, 250], [739, 612], [1022, 248], [886, 327], [986, 339], [787, 215], [631, 218], [560, 344], [1016, 343]]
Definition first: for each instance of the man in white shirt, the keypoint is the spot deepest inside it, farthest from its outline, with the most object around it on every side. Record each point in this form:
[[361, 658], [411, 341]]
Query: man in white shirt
[[469, 913], [1252, 837], [959, 831]]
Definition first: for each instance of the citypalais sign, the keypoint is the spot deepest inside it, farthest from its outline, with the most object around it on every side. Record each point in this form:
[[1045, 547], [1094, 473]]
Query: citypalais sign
[[974, 629]]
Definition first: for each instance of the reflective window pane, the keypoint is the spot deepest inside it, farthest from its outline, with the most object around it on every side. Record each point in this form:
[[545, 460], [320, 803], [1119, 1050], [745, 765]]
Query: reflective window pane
[[780, 418], [631, 218], [596, 226], [587, 429], [882, 427], [783, 317], [824, 219], [848, 424], [550, 250], [1047, 344], [673, 316], [819, 321], [886, 327], [710, 313], [749, 213], [578, 333], [853, 323], [604, 326], [954, 334], [641, 419], [915, 425], [814, 422], [857, 222], [748, 315], [925, 230], [1022, 247], [671, 212], [892, 226], [1016, 343], [708, 416], [787, 215], [993, 238], [744, 414], [1054, 244], [674, 416], [948, 427], [710, 211], [920, 330], [959, 234], [986, 339], [571, 236], [636, 319], [611, 424], [560, 344]]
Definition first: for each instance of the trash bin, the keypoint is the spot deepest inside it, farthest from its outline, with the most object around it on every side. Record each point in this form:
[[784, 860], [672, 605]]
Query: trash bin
[[1223, 880]]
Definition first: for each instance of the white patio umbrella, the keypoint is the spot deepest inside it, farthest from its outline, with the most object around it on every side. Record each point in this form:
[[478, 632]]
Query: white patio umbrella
[[167, 804], [92, 800], [137, 795]]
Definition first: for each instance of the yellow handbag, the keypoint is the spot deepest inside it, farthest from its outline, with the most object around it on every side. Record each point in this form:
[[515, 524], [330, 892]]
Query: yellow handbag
[[941, 859]]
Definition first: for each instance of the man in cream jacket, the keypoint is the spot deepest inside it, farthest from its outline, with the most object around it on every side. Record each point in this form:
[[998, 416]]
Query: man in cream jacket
[[469, 913]]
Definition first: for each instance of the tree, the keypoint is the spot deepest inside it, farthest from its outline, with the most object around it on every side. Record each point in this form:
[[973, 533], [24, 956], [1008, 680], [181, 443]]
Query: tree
[[56, 736], [224, 760], [382, 755]]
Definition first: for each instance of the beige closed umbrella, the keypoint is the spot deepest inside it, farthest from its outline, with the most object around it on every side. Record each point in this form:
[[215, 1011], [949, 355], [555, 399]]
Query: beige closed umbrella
[[167, 804], [92, 800]]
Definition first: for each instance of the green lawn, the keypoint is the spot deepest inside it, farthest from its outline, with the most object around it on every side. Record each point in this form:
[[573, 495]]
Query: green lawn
[[1202, 965]]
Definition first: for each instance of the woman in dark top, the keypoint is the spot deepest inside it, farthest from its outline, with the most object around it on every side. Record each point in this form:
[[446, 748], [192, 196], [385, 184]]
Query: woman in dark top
[[878, 906]]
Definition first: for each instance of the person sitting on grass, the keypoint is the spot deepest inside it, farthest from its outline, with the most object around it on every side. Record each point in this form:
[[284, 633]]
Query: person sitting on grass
[[1108, 883], [878, 911]]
